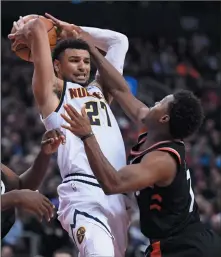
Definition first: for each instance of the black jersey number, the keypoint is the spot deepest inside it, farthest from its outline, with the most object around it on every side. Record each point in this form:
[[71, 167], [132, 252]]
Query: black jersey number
[[92, 110]]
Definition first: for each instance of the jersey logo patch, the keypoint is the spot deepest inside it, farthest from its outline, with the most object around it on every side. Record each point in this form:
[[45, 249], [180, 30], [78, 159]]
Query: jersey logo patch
[[80, 234]]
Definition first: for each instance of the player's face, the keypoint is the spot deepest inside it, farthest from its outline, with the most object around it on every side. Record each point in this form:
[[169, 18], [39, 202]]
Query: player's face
[[159, 112], [75, 66]]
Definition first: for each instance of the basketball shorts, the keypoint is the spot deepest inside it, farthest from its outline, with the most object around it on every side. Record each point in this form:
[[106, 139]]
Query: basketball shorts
[[93, 239], [199, 241]]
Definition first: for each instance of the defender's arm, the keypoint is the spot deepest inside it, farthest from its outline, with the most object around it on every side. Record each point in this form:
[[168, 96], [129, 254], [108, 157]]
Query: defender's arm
[[155, 168], [118, 88]]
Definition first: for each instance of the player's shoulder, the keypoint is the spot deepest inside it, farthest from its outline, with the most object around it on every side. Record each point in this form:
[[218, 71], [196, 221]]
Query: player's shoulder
[[94, 85], [94, 89], [175, 148]]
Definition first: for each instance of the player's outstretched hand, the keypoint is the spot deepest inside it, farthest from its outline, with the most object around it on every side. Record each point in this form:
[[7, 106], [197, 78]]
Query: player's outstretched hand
[[51, 141], [34, 203], [79, 123], [64, 29]]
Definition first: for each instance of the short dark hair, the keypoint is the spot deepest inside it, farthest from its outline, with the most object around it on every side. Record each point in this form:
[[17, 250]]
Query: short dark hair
[[68, 43], [186, 114]]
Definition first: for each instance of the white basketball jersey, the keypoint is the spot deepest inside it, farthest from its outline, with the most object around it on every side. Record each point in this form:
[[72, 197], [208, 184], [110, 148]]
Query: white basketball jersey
[[71, 156], [80, 188]]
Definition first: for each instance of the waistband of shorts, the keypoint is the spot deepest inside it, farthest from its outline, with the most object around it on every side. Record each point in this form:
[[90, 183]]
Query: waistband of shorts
[[83, 178]]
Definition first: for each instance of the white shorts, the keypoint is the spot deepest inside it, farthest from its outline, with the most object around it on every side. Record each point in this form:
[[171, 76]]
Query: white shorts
[[107, 220], [93, 240]]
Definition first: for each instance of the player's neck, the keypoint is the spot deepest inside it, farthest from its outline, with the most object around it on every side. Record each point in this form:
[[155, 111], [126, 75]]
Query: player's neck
[[153, 138]]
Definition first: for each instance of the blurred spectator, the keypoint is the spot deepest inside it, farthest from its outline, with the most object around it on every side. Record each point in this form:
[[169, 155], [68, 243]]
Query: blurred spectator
[[13, 236], [7, 251]]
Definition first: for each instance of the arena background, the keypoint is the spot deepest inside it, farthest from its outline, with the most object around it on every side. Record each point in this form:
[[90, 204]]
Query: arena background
[[172, 45]]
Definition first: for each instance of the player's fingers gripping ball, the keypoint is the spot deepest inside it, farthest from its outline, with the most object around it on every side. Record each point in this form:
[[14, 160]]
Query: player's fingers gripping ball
[[21, 49]]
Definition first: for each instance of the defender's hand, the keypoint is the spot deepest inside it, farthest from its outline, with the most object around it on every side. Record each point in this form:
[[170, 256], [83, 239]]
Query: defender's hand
[[79, 124], [64, 29], [51, 141], [35, 203]]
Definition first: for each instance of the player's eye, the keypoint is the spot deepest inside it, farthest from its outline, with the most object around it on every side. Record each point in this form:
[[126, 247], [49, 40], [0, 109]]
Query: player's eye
[[74, 60]]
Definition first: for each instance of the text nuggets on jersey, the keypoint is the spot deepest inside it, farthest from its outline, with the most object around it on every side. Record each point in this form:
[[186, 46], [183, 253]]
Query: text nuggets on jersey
[[82, 92]]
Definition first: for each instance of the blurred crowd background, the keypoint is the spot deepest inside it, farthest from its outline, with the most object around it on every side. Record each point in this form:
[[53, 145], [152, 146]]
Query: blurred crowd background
[[172, 46]]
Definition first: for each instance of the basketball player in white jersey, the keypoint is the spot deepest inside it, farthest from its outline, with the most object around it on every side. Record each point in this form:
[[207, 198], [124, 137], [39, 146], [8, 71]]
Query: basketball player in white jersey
[[97, 223]]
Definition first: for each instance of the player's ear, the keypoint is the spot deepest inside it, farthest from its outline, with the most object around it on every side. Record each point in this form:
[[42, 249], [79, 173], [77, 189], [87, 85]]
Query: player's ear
[[56, 66], [165, 118]]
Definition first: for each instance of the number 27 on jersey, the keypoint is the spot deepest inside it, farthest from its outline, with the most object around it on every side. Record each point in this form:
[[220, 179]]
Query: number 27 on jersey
[[92, 109]]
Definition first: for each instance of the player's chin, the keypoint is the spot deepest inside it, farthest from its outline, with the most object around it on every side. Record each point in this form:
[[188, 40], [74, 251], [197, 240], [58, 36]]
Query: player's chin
[[81, 81]]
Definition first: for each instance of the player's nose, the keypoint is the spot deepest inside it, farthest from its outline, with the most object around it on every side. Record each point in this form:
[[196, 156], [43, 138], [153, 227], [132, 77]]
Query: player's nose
[[81, 66]]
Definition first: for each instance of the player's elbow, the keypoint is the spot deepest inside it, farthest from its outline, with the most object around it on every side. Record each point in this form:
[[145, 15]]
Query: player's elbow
[[106, 187], [123, 41], [108, 190], [111, 188], [117, 38]]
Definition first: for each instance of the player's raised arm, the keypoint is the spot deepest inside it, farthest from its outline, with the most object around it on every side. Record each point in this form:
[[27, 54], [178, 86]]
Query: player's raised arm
[[118, 87], [34, 34], [115, 45]]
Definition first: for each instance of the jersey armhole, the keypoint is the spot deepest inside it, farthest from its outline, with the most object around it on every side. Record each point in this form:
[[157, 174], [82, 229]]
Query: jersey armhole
[[173, 153], [95, 83], [176, 156], [62, 97]]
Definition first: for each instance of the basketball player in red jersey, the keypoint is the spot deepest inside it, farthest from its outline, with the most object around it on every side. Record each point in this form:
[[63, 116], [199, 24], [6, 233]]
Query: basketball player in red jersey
[[158, 172]]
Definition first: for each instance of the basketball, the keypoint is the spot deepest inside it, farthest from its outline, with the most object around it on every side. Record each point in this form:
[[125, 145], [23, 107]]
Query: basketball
[[22, 50]]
